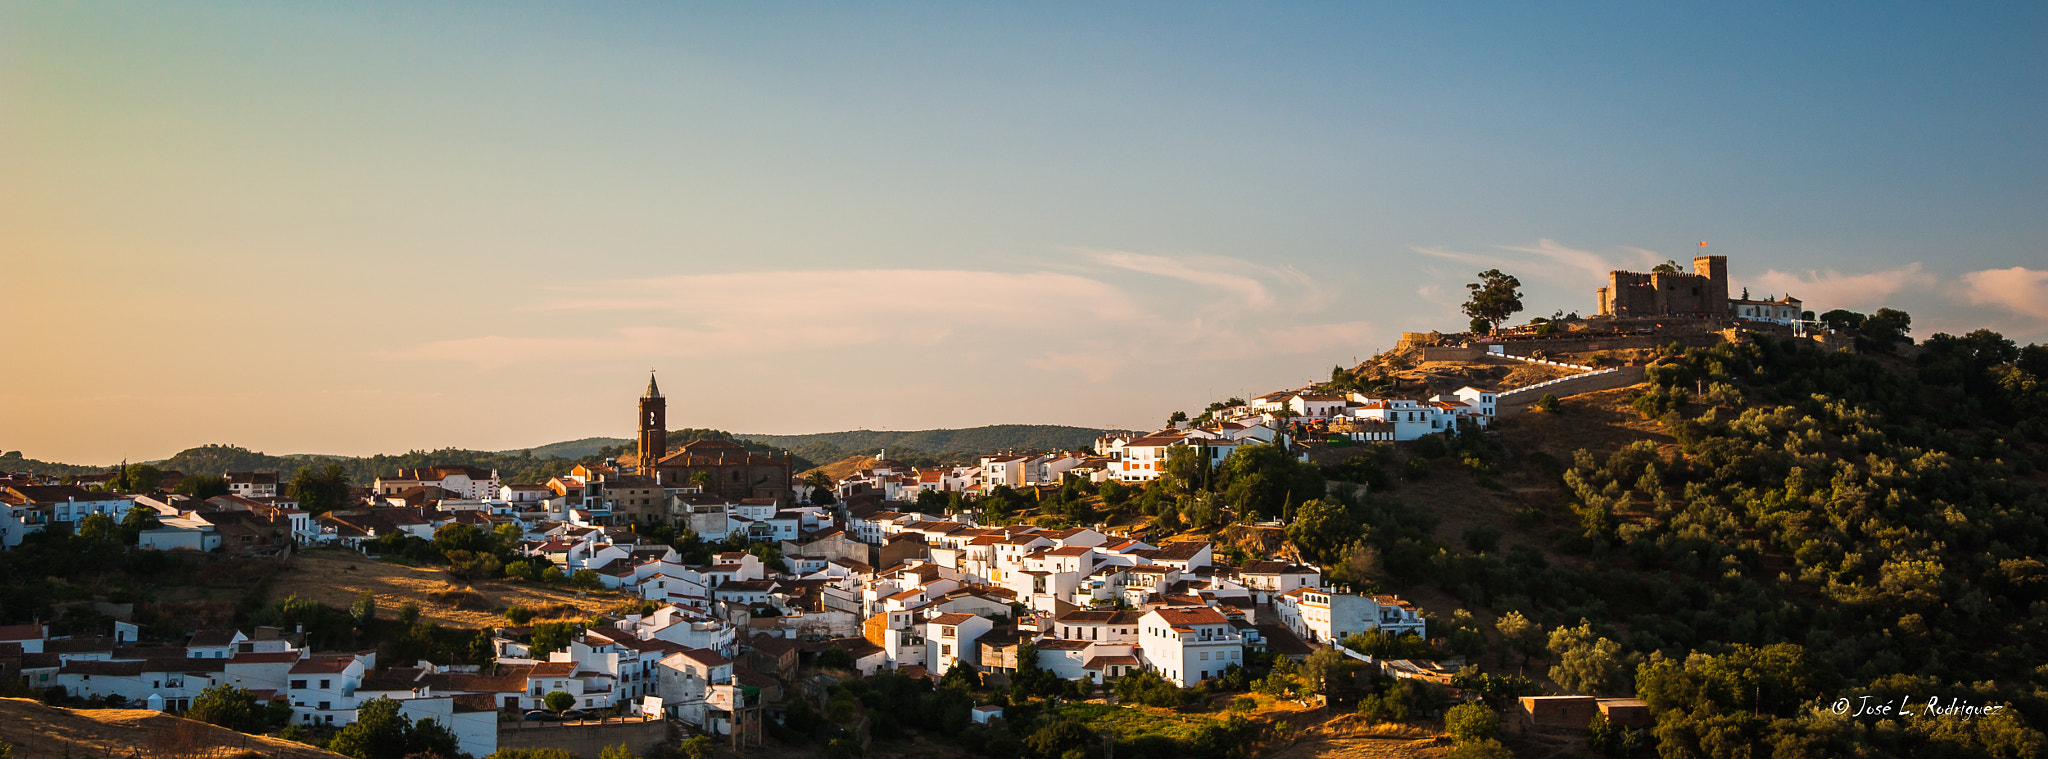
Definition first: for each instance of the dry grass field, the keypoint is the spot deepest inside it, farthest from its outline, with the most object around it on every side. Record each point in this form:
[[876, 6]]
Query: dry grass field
[[36, 731], [334, 577], [1349, 736]]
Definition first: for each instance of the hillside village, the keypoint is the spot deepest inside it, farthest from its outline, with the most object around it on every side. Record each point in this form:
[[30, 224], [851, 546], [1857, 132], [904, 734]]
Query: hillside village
[[745, 592]]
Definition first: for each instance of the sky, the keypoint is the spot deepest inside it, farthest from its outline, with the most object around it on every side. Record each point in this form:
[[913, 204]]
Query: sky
[[355, 228]]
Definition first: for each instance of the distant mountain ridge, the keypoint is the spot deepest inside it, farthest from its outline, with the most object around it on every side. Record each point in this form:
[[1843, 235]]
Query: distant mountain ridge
[[916, 447], [971, 439], [925, 447], [831, 446], [572, 449]]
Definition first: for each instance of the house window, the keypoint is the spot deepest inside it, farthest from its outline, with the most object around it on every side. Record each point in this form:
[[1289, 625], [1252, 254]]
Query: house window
[[323, 685]]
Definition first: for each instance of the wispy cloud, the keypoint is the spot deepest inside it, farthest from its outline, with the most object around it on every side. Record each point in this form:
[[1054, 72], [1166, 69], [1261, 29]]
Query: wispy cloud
[[1075, 321], [1558, 262], [1831, 289], [1577, 264], [2018, 289], [1248, 291], [1246, 285], [1475, 259]]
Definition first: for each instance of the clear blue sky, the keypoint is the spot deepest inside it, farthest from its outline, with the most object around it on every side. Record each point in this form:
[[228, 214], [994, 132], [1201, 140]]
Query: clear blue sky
[[372, 227]]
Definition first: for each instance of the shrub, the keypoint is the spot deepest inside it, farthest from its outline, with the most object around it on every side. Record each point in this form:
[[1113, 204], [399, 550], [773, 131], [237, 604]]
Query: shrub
[[1483, 538], [558, 701], [1471, 722]]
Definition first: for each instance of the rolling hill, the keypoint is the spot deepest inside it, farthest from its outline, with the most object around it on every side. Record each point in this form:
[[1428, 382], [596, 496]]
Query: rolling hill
[[572, 449], [973, 439]]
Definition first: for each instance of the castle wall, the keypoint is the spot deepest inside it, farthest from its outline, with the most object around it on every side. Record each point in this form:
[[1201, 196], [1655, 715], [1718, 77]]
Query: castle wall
[[1704, 292]]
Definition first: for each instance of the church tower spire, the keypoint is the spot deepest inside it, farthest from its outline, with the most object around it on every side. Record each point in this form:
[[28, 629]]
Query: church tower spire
[[653, 427]]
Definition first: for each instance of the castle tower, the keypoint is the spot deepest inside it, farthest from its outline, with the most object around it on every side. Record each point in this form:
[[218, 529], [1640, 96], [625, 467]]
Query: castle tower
[[653, 426], [1715, 270]]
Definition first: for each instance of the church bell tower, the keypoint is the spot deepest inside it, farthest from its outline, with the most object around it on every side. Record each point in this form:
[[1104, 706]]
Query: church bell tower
[[653, 427]]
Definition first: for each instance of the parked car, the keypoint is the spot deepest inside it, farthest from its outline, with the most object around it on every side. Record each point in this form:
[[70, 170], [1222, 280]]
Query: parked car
[[540, 716], [573, 714]]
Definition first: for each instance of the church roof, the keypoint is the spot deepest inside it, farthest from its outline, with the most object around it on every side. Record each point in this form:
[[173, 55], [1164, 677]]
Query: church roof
[[653, 391]]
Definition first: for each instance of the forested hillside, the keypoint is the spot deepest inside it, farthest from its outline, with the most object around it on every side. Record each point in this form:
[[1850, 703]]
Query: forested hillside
[[925, 447], [1824, 526], [572, 449], [512, 467], [13, 461]]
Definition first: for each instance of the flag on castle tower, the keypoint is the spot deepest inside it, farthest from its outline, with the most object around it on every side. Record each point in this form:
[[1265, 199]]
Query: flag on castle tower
[[1703, 243]]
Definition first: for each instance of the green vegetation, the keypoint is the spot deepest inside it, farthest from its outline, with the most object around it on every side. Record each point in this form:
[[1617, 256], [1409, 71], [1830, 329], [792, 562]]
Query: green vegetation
[[236, 709], [13, 461], [931, 447], [1471, 722], [1494, 298], [380, 732], [1829, 525]]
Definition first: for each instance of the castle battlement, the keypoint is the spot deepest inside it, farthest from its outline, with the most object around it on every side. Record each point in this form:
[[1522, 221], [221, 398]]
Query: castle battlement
[[1704, 292]]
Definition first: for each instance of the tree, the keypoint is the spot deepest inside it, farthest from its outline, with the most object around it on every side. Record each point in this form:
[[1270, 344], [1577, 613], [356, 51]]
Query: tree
[[1054, 740], [1519, 635], [1358, 567], [409, 614], [99, 528], [931, 501], [821, 487], [1843, 319], [1324, 669], [1668, 267], [135, 478], [1584, 661], [1482, 538], [1320, 528], [1264, 479], [1887, 328], [549, 637], [202, 486], [321, 491], [1186, 470], [472, 566], [1031, 679], [618, 751], [1494, 298], [1547, 404], [430, 738], [230, 707], [558, 701], [379, 732], [456, 536], [696, 747], [138, 520], [364, 610], [1176, 418], [1471, 722]]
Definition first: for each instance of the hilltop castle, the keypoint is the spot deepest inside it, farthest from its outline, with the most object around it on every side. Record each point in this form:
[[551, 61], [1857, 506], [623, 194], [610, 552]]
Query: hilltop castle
[[1701, 293]]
